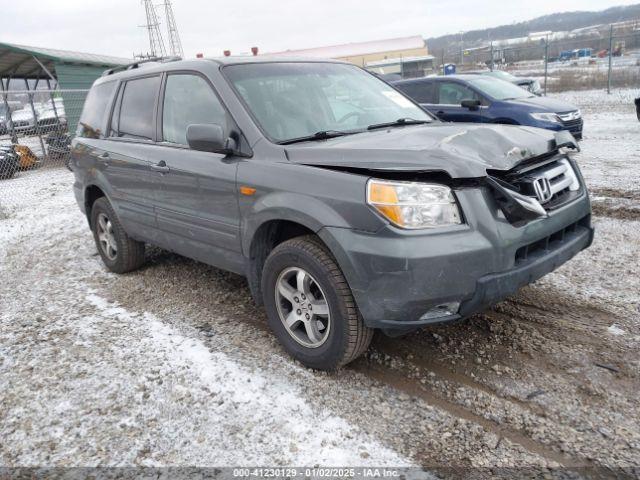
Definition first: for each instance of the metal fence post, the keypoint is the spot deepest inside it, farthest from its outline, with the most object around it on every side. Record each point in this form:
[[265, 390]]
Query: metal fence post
[[491, 50], [610, 59], [546, 63], [35, 116], [12, 129]]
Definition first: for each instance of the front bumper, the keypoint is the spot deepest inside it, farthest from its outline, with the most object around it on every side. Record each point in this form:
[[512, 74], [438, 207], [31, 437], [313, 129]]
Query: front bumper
[[398, 276], [574, 127], [495, 287]]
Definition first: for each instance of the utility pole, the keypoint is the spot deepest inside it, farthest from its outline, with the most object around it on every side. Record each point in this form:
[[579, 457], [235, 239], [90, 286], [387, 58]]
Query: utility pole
[[546, 63], [610, 59], [461, 47], [156, 42], [175, 45]]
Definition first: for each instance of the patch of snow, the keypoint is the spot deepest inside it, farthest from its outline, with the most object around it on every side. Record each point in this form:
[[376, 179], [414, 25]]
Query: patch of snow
[[268, 410], [614, 330]]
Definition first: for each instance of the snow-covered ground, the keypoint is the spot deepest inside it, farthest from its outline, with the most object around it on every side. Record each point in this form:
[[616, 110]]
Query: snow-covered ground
[[611, 150], [105, 385], [169, 366]]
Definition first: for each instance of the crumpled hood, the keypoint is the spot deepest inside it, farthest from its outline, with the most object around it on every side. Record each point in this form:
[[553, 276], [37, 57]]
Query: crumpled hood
[[461, 150]]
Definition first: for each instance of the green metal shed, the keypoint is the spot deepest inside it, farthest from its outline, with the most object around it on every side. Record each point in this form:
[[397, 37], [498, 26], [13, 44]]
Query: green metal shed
[[69, 70]]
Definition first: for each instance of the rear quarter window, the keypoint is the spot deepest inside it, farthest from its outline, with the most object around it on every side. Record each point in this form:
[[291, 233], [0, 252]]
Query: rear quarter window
[[94, 112]]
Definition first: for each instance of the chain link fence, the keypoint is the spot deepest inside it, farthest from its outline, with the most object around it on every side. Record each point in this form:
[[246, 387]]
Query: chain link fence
[[36, 128], [603, 57], [594, 62]]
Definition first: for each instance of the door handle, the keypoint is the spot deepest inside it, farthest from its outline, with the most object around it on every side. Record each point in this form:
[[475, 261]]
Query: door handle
[[161, 167], [440, 112], [105, 157]]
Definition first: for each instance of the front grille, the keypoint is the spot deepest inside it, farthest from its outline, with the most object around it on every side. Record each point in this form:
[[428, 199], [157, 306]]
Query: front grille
[[549, 243], [573, 126], [572, 121], [561, 181]]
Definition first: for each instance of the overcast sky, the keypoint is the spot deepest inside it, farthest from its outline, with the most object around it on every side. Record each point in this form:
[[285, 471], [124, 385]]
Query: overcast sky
[[210, 26]]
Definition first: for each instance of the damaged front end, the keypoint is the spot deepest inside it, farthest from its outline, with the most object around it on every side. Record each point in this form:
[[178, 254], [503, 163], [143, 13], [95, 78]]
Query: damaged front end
[[526, 183], [403, 278], [537, 185]]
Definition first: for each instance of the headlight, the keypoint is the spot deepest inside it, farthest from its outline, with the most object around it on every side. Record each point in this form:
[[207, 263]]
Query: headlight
[[414, 205], [546, 117]]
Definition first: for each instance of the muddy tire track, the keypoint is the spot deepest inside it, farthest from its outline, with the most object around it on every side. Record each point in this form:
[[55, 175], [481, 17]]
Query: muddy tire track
[[618, 204], [565, 355], [416, 389], [613, 193], [619, 212]]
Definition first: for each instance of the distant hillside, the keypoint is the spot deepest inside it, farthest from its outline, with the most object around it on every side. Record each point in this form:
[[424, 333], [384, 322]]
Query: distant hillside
[[555, 22]]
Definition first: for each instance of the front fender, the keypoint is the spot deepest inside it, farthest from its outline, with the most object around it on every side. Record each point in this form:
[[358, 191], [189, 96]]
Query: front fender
[[305, 210]]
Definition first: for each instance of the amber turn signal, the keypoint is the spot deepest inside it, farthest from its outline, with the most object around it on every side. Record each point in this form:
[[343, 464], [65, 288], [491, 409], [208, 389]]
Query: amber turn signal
[[384, 198]]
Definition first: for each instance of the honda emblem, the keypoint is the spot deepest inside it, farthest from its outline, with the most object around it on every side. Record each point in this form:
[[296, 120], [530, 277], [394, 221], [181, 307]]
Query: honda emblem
[[542, 188]]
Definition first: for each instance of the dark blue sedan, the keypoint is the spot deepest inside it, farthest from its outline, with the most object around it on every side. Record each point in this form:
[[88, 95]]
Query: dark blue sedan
[[483, 99]]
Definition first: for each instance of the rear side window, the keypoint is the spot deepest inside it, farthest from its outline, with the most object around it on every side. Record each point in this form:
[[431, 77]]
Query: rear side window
[[451, 93], [188, 99], [93, 114], [137, 105], [421, 92]]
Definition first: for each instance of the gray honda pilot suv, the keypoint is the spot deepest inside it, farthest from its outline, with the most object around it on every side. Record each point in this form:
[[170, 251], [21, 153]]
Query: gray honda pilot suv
[[347, 207]]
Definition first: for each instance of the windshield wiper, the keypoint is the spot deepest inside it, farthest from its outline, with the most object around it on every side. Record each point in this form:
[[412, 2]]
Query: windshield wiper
[[398, 123], [321, 135]]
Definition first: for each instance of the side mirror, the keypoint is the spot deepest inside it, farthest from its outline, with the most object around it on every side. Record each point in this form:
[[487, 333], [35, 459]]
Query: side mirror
[[471, 104], [210, 137]]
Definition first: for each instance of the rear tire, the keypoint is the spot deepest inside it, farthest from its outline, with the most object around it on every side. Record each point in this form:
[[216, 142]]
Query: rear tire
[[326, 341], [119, 252]]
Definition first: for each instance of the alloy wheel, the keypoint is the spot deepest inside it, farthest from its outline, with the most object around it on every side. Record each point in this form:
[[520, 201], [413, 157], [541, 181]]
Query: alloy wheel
[[106, 238], [302, 307]]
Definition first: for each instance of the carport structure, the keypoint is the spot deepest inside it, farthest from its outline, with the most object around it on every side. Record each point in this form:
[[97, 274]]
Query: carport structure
[[59, 73]]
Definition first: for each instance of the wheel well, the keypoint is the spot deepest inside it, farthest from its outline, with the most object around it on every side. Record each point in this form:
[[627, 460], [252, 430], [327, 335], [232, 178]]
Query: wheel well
[[91, 194], [268, 236]]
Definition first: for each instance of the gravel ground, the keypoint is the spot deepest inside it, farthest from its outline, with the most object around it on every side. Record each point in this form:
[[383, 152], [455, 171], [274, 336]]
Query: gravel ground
[[173, 365]]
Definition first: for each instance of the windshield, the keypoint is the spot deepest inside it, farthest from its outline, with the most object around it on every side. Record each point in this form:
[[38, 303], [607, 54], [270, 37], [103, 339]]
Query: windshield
[[500, 74], [499, 89], [296, 100]]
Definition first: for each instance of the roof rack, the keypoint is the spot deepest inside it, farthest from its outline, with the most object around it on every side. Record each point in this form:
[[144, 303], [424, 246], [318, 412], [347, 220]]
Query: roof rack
[[131, 66]]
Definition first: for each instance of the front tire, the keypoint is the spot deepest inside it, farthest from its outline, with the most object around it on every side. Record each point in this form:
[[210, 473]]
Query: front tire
[[310, 307], [119, 252]]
